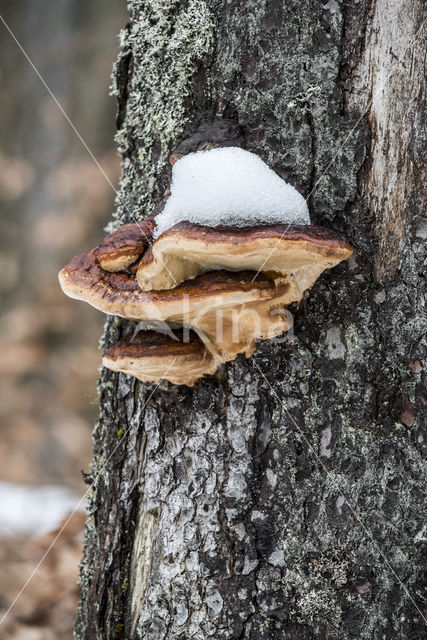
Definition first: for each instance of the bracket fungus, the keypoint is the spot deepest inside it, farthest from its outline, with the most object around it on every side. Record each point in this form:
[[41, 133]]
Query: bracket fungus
[[229, 311], [124, 246], [293, 254], [201, 293], [151, 357]]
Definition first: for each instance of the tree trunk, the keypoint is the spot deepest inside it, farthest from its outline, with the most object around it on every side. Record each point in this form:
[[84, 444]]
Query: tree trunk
[[281, 497]]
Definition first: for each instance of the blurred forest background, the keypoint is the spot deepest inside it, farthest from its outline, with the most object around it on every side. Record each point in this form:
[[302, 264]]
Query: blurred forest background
[[54, 203]]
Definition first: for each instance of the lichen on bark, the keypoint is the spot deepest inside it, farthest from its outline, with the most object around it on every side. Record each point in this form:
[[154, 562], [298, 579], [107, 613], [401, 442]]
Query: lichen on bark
[[281, 497], [161, 47]]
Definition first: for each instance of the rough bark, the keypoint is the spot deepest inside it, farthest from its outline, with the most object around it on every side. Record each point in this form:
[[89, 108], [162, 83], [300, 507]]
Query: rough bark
[[282, 497]]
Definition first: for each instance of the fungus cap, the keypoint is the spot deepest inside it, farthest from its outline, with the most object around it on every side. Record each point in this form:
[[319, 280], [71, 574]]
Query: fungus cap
[[119, 294], [124, 246], [230, 285], [152, 357], [187, 249], [229, 310]]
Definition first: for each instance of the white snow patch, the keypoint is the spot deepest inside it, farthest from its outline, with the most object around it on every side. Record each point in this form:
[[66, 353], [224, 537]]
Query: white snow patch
[[229, 186], [35, 510]]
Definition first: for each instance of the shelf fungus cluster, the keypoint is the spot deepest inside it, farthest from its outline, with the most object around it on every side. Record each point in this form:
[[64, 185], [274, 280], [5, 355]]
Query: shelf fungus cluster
[[200, 295]]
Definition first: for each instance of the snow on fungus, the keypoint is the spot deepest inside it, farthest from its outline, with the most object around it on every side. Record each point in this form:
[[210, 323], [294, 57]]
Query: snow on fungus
[[223, 248], [229, 186]]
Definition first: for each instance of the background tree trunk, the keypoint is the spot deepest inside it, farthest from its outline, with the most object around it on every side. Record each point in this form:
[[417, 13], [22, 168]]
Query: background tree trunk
[[280, 498]]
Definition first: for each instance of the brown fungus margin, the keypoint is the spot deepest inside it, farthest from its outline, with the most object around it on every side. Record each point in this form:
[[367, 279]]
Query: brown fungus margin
[[230, 286], [289, 252]]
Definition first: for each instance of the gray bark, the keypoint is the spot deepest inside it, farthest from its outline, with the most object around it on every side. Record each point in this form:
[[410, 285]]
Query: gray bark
[[280, 498]]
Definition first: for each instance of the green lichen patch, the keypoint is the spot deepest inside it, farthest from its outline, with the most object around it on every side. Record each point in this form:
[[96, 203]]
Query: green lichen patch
[[167, 42]]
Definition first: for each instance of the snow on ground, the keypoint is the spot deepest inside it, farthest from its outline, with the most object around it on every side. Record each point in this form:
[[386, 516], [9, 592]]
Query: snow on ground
[[229, 186], [26, 509]]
